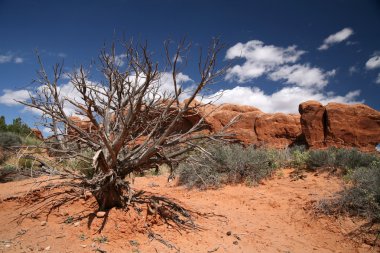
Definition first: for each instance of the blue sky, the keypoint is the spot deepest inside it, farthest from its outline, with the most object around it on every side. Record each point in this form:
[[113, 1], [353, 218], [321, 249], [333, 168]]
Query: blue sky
[[281, 52]]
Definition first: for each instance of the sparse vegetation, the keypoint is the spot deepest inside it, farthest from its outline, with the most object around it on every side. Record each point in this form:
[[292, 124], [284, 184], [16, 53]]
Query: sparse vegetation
[[220, 164], [8, 139], [361, 195]]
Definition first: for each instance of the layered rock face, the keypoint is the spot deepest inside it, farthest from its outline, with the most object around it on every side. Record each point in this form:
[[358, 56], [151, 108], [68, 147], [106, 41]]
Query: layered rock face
[[254, 126], [317, 126], [340, 125]]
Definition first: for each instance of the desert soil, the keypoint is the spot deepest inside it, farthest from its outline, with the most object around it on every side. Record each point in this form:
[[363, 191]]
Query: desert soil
[[276, 216]]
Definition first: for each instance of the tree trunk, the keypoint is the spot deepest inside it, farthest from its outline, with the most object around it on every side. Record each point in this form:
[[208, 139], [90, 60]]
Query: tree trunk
[[109, 195]]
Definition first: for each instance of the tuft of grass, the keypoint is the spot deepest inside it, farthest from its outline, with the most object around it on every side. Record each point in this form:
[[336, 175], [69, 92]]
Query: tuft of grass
[[69, 220]]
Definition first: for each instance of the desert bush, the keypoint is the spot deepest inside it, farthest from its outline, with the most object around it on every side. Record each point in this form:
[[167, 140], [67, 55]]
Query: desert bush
[[344, 159], [299, 157], [81, 164], [9, 139], [321, 159], [5, 172], [361, 196], [26, 163], [221, 164], [31, 141]]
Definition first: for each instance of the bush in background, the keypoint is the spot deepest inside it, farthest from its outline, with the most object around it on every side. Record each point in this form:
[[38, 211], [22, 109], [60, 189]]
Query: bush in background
[[8, 139], [220, 164], [361, 196], [82, 164], [344, 159]]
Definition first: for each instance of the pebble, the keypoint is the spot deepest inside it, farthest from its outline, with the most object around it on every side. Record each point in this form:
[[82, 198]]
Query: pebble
[[7, 245], [43, 223], [100, 214], [229, 233], [47, 248], [83, 245], [76, 224]]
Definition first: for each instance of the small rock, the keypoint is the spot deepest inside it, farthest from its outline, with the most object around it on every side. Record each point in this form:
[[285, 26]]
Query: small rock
[[237, 237], [229, 233], [76, 224], [7, 245], [43, 223], [87, 194], [47, 248], [236, 242], [83, 245], [100, 214]]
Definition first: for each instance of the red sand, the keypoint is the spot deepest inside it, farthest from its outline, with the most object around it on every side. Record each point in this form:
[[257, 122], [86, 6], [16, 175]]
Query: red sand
[[275, 216]]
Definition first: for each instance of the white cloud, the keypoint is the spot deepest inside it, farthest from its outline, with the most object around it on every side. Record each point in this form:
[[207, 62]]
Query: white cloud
[[259, 59], [378, 79], [353, 69], [68, 91], [119, 59], [5, 58], [302, 75], [285, 100], [373, 62], [302, 81], [11, 97], [18, 60], [336, 38], [62, 55]]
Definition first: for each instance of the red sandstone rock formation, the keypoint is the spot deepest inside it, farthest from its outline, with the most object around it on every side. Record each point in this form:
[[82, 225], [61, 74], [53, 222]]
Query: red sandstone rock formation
[[37, 133], [278, 130], [340, 125], [317, 126]]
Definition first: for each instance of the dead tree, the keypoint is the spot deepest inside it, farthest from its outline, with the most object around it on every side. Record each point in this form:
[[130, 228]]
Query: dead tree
[[134, 122]]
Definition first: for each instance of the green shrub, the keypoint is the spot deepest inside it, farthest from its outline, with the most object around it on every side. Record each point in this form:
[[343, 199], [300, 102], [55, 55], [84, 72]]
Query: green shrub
[[9, 139], [26, 163], [321, 159], [299, 157], [221, 164], [31, 141], [361, 196], [345, 159], [81, 164]]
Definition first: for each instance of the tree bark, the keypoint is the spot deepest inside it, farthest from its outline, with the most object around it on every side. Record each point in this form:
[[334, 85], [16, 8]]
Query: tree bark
[[109, 195]]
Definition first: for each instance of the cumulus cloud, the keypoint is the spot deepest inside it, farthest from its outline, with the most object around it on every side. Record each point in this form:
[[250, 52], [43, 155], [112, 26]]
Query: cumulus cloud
[[11, 97], [68, 91], [336, 38], [373, 62], [302, 75], [285, 100], [259, 59], [299, 81], [7, 58], [167, 84]]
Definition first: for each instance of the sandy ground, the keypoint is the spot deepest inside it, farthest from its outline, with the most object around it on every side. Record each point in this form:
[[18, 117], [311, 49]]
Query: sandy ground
[[275, 216]]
